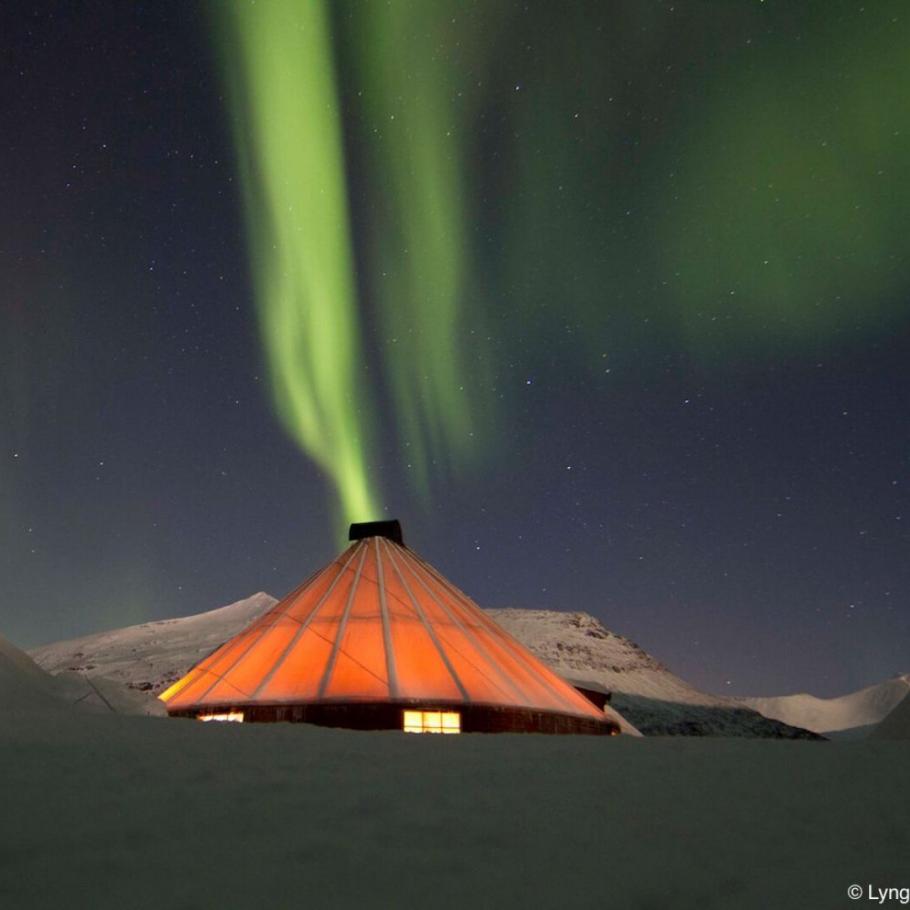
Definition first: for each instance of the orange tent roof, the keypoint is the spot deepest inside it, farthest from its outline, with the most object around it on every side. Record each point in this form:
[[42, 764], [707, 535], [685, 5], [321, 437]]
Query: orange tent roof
[[378, 624]]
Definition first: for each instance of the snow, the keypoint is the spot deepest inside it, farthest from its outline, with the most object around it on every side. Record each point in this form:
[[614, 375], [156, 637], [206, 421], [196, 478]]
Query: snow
[[824, 715], [153, 655], [25, 686], [104, 811], [109, 811], [644, 691], [22, 680]]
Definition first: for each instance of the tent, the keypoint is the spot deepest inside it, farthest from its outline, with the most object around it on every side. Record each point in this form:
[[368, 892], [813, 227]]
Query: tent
[[378, 639]]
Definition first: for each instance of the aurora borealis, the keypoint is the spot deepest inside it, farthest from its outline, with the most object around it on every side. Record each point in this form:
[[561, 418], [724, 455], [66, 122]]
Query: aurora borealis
[[289, 147], [608, 302], [279, 62]]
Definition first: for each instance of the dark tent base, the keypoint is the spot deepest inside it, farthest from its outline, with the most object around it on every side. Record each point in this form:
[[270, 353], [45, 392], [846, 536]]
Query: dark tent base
[[372, 716]]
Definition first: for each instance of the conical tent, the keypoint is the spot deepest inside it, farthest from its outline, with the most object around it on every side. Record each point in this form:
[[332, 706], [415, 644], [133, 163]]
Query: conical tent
[[379, 639]]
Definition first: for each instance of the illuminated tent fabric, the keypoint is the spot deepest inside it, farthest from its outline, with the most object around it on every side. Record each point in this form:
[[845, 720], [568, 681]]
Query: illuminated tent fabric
[[375, 631]]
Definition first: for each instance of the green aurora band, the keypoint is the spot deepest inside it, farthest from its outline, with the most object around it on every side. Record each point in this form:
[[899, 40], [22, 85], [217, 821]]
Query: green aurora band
[[279, 65], [540, 198], [409, 60]]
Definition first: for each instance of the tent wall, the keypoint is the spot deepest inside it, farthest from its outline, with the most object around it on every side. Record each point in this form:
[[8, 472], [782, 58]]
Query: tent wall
[[385, 716]]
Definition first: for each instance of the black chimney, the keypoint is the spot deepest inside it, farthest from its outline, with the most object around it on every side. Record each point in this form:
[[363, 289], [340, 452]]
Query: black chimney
[[391, 529]]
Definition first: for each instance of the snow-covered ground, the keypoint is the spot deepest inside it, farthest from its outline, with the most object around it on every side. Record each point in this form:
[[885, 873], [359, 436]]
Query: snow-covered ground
[[126, 812]]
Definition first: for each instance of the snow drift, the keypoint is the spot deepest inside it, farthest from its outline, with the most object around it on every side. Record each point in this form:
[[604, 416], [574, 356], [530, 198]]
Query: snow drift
[[25, 687], [107, 812]]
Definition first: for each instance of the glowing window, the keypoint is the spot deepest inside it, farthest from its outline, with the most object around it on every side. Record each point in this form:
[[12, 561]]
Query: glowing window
[[432, 722], [232, 716]]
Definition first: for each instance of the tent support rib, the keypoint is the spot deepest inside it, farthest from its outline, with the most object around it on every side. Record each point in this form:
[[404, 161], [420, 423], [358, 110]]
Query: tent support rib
[[427, 625], [517, 691], [265, 629], [342, 625], [303, 627], [508, 642], [391, 673]]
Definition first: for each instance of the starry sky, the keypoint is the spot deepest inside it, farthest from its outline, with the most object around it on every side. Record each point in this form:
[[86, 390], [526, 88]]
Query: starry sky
[[629, 331]]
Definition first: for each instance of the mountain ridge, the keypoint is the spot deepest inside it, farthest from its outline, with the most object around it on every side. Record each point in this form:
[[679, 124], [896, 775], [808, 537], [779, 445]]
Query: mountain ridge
[[863, 708]]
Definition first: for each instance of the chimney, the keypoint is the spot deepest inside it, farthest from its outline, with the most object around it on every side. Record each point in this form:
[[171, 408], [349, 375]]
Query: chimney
[[390, 529]]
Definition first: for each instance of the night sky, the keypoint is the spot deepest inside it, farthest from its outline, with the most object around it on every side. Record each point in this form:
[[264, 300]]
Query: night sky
[[629, 324]]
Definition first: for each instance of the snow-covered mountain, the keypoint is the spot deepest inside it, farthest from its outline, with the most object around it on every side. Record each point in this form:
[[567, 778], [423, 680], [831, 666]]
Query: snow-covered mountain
[[25, 687], [644, 691], [153, 655], [854, 711]]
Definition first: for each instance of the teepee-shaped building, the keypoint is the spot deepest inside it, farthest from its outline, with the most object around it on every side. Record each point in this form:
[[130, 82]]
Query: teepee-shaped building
[[378, 639]]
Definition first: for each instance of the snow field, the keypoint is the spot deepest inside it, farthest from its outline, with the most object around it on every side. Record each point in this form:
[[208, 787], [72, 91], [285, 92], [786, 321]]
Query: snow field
[[105, 811]]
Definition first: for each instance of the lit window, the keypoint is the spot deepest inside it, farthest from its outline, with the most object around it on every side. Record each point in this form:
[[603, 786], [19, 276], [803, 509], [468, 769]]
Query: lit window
[[232, 716], [432, 722]]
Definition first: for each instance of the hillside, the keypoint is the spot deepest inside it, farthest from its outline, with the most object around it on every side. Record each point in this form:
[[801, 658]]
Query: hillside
[[895, 725], [644, 691], [855, 710], [26, 687], [152, 655]]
